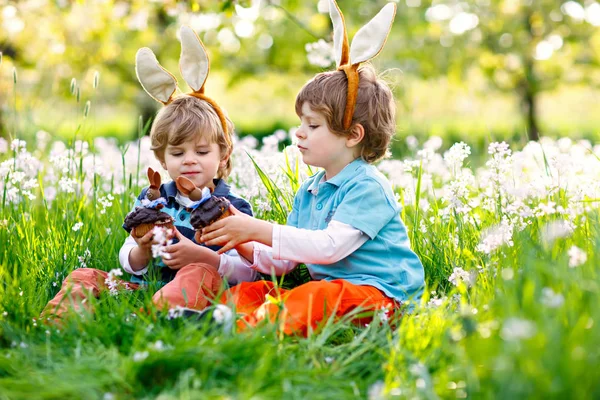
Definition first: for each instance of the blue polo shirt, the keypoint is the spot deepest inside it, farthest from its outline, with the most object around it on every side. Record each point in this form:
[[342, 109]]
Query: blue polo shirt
[[181, 219], [362, 197]]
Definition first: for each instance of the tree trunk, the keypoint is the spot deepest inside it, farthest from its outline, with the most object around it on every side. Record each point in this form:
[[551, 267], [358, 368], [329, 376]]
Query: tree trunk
[[529, 104], [529, 85]]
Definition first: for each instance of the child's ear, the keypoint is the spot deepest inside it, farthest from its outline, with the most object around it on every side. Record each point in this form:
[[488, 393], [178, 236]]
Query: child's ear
[[224, 159], [356, 135]]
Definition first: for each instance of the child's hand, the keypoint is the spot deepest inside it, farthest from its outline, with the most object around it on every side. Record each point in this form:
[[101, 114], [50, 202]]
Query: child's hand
[[235, 230], [145, 242], [186, 252]]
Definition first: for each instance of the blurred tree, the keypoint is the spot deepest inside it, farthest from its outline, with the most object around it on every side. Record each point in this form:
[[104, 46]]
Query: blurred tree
[[522, 46]]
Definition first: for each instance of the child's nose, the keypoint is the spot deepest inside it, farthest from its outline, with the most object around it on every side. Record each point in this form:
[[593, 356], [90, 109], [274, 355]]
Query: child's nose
[[189, 159], [300, 133]]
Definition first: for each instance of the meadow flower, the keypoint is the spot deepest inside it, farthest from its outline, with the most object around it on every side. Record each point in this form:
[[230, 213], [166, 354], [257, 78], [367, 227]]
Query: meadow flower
[[456, 155], [459, 276], [18, 145], [67, 185], [140, 356], [576, 256], [551, 299], [376, 391], [319, 53], [515, 329], [496, 237], [77, 226], [3, 145], [556, 229], [112, 282], [161, 239]]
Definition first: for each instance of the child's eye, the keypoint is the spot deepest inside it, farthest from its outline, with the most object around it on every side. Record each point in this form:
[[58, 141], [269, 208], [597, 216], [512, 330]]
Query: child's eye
[[202, 153], [313, 126], [176, 154]]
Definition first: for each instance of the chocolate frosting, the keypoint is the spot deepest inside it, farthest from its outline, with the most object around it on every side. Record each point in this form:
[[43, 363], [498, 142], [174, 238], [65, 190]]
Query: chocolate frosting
[[143, 215], [209, 211]]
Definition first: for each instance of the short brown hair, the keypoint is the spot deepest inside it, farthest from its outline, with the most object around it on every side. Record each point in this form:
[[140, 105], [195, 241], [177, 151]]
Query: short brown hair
[[185, 118], [375, 108]]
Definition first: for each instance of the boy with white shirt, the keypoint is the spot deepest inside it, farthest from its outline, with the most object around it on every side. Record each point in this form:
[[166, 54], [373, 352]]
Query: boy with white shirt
[[188, 139]]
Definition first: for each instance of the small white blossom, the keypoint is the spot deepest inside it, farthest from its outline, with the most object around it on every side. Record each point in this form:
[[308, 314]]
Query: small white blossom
[[551, 299], [77, 226], [113, 282], [161, 239], [515, 329], [459, 276], [576, 256], [320, 53], [139, 356]]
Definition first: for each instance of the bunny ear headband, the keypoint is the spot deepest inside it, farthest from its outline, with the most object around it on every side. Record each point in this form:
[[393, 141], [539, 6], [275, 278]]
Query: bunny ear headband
[[366, 44], [160, 84]]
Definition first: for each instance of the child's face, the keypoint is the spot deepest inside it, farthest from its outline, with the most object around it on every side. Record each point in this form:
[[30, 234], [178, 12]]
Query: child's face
[[319, 146], [196, 159]]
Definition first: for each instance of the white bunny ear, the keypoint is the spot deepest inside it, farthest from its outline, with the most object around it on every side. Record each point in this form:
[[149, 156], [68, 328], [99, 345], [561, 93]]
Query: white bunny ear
[[193, 61], [370, 39], [340, 37], [156, 81]]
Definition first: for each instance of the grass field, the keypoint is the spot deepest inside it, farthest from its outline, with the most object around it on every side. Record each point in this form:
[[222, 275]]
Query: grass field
[[510, 310]]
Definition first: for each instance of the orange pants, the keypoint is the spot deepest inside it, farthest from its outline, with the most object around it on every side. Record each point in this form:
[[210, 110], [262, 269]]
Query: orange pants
[[304, 306], [193, 286]]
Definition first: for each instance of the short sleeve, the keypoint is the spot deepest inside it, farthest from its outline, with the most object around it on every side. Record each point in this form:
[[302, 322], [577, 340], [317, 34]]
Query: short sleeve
[[366, 207]]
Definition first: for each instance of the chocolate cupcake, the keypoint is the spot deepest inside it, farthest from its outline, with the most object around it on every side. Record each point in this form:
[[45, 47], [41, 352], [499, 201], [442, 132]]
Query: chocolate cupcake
[[143, 219], [209, 211]]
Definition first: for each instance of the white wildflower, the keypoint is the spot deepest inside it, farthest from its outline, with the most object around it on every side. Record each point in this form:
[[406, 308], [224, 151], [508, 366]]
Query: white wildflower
[[551, 299], [18, 145], [459, 276], [456, 155], [161, 241], [497, 236], [319, 53], [576, 256], [113, 282], [139, 356], [515, 329], [556, 230]]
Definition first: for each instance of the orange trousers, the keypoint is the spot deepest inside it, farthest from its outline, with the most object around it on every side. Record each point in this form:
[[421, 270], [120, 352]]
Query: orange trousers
[[304, 307], [193, 286]]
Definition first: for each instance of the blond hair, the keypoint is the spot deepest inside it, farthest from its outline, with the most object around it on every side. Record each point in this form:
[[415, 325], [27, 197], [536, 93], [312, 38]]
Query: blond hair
[[375, 108], [187, 118]]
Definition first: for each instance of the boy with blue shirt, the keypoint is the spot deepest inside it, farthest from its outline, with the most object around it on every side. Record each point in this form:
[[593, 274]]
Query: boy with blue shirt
[[345, 223]]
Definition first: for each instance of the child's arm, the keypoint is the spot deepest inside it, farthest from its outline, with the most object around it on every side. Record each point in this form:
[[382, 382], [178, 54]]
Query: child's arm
[[324, 246], [135, 254], [235, 269]]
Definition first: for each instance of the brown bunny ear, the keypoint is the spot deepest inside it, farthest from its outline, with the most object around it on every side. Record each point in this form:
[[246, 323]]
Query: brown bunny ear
[[184, 185], [156, 179], [150, 175]]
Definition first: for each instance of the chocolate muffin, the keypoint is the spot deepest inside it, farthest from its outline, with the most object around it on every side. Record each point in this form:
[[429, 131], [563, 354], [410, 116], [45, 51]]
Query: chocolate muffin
[[211, 210], [142, 220]]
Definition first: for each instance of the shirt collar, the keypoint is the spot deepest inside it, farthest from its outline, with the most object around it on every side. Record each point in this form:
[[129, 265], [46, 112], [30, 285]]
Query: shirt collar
[[221, 189], [346, 173]]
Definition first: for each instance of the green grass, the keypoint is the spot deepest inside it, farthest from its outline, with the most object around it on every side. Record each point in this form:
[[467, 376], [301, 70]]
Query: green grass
[[496, 339]]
